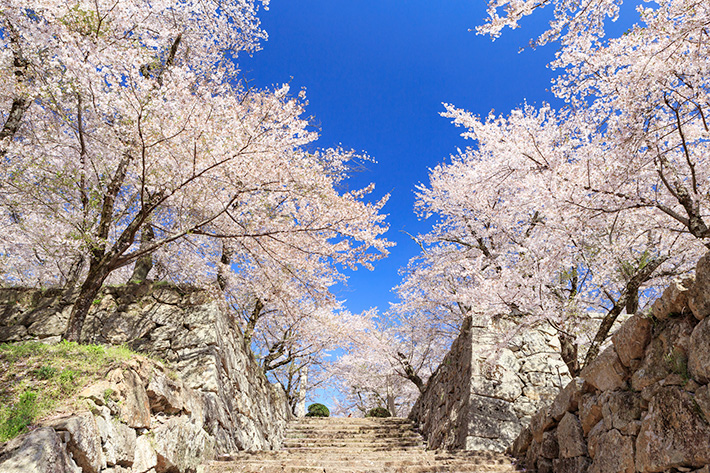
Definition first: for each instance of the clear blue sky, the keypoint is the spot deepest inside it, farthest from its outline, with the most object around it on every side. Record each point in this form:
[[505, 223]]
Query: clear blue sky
[[376, 73]]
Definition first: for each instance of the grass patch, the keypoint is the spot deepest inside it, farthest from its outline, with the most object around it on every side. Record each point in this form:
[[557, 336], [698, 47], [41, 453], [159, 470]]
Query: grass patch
[[19, 416], [36, 379]]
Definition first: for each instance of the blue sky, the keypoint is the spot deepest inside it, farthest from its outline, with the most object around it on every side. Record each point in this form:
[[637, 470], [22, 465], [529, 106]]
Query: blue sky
[[376, 73]]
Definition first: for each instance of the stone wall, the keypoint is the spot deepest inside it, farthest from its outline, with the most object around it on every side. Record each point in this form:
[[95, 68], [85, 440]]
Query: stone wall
[[219, 402], [482, 396], [644, 404]]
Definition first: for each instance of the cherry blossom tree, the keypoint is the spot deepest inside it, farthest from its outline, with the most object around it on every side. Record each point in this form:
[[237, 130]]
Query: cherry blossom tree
[[388, 361], [298, 352], [558, 214], [643, 97], [514, 238], [129, 142]]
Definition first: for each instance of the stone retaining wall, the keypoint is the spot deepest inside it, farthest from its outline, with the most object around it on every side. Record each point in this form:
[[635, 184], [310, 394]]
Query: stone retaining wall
[[219, 402], [644, 404], [481, 396]]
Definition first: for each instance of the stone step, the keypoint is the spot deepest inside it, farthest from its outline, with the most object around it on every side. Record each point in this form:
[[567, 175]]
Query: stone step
[[344, 434], [330, 445], [361, 437], [352, 443], [350, 428], [392, 444], [290, 456], [358, 449], [218, 467], [351, 420]]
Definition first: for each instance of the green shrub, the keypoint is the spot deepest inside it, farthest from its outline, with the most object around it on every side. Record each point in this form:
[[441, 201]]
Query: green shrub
[[14, 421], [45, 372], [378, 412], [69, 380], [317, 410]]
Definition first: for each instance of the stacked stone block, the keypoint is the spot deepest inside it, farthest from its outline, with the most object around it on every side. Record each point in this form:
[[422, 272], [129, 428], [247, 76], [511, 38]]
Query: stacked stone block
[[644, 404]]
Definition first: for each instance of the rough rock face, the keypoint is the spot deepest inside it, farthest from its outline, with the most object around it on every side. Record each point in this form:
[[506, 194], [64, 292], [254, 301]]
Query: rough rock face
[[644, 404], [145, 417], [481, 400]]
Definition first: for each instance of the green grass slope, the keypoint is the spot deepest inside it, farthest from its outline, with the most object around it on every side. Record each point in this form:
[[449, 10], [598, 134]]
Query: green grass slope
[[37, 380]]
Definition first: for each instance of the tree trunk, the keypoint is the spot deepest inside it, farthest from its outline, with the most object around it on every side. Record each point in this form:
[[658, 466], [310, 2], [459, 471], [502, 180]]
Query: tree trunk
[[569, 353], [145, 263], [225, 260], [251, 323], [410, 373], [72, 278], [603, 331], [301, 403], [89, 289], [627, 299], [391, 404]]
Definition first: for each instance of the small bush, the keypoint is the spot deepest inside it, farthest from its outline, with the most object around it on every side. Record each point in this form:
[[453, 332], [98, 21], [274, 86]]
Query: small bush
[[317, 410], [378, 412]]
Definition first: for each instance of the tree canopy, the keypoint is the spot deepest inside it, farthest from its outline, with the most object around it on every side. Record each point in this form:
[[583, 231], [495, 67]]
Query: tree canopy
[[129, 144]]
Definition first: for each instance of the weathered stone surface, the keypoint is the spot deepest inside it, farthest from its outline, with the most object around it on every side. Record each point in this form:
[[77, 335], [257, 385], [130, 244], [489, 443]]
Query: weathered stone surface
[[165, 395], [674, 300], [606, 372], [500, 381], [532, 456], [549, 447], [567, 400], [540, 394], [48, 322], [40, 451], [590, 411], [631, 339], [544, 465], [614, 454], [699, 293], [702, 398], [181, 445], [487, 417], [699, 352], [593, 438], [501, 388], [199, 368], [99, 392], [661, 424], [619, 408], [84, 441], [541, 422], [521, 444], [525, 408], [571, 437], [571, 465], [666, 351], [135, 408], [13, 333], [673, 433], [227, 397], [118, 440], [145, 456]]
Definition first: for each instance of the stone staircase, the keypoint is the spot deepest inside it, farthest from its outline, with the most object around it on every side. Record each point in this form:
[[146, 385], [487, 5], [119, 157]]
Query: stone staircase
[[351, 445]]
